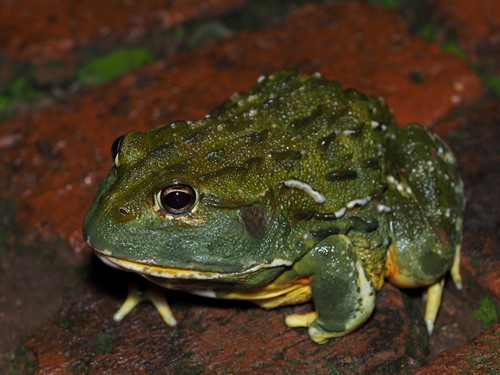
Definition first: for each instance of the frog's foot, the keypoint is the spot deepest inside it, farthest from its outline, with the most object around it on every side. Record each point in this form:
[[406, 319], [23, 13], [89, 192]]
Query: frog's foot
[[134, 297], [154, 294], [309, 320], [300, 320], [434, 293]]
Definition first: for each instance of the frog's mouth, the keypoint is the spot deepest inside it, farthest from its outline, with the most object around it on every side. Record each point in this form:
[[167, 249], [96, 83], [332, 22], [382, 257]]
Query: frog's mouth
[[180, 273]]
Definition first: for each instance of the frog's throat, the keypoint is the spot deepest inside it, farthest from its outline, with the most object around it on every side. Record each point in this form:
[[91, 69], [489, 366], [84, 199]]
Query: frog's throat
[[179, 273]]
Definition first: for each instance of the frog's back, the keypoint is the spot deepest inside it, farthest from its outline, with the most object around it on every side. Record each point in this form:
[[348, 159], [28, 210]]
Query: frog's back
[[290, 127]]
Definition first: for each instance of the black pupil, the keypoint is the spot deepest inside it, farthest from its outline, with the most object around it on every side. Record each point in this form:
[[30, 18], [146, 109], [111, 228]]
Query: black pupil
[[177, 198], [115, 147]]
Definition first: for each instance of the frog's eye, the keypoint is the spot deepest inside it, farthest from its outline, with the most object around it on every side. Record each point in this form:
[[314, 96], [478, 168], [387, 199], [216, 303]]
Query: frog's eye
[[176, 200], [115, 149]]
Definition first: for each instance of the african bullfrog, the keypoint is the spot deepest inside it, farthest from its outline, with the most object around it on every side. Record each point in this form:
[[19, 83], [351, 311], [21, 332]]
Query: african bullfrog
[[297, 190]]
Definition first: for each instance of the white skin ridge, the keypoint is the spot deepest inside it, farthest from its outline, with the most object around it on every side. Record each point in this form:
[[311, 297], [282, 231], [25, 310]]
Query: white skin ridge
[[316, 195]]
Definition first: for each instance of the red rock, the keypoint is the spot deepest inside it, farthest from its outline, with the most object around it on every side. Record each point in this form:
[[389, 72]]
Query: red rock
[[475, 24], [478, 357], [492, 283], [42, 31]]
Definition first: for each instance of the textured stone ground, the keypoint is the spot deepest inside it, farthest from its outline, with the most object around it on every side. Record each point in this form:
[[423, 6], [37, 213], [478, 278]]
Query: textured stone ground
[[57, 300]]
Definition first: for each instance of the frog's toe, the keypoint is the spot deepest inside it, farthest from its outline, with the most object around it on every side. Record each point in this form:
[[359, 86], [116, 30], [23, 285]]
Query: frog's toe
[[134, 297], [434, 293], [317, 334], [300, 320], [320, 336], [455, 269], [154, 294]]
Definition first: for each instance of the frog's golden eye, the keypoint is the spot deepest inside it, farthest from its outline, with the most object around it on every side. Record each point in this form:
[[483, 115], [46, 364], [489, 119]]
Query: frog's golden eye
[[176, 200], [115, 149]]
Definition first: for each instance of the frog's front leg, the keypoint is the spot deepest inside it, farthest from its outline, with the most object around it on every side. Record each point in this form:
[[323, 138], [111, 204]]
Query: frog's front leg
[[343, 296], [154, 294]]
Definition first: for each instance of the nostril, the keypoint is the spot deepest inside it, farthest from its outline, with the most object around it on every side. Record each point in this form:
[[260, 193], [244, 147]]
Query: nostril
[[123, 214]]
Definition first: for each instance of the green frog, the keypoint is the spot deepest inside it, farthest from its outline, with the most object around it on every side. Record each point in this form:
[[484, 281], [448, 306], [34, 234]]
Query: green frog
[[297, 190]]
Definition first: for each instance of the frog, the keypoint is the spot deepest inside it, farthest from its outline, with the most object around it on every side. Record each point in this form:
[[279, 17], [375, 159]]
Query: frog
[[295, 191]]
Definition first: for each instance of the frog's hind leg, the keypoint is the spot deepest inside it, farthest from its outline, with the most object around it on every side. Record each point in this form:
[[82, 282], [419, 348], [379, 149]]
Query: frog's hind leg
[[425, 194]]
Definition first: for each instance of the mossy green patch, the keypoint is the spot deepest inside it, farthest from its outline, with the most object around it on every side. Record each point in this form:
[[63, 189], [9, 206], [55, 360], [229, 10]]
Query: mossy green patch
[[113, 64], [22, 361], [64, 323], [428, 31], [389, 3], [194, 325], [452, 46], [459, 136], [186, 368], [103, 344], [20, 91], [493, 82], [487, 312], [76, 366], [478, 362]]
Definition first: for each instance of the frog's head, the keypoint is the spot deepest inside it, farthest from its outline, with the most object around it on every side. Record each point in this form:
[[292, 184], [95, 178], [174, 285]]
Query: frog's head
[[155, 214]]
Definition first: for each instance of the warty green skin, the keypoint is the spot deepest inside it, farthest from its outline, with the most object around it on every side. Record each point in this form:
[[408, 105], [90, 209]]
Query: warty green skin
[[295, 178]]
